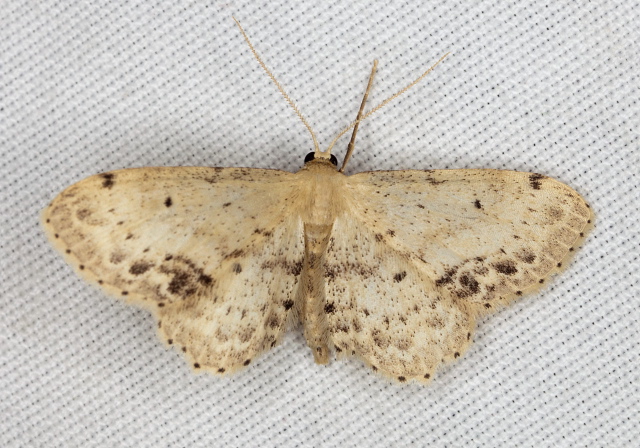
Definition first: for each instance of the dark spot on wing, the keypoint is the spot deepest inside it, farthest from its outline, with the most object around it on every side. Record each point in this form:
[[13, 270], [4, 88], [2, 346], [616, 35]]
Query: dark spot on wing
[[235, 254], [266, 233], [295, 268], [108, 180], [179, 282], [186, 277], [83, 214], [116, 257], [363, 270], [399, 276], [226, 204], [526, 256], [237, 268], [477, 204], [247, 362], [402, 379], [391, 232], [329, 273], [507, 267], [140, 267], [168, 202], [292, 268], [420, 206], [469, 283], [221, 370], [555, 212], [379, 237], [329, 308], [433, 181], [534, 180], [205, 279], [447, 277], [273, 321], [288, 304]]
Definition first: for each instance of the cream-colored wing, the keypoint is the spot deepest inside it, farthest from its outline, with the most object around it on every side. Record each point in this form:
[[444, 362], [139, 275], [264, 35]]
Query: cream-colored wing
[[382, 308], [213, 252], [431, 250]]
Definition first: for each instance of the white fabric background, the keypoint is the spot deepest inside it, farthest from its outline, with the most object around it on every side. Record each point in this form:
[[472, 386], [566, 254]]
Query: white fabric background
[[87, 87]]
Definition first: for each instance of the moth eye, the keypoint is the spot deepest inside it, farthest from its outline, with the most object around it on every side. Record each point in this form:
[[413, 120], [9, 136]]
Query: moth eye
[[312, 155]]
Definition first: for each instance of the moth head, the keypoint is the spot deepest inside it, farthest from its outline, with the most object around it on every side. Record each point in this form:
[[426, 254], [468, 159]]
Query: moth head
[[319, 155]]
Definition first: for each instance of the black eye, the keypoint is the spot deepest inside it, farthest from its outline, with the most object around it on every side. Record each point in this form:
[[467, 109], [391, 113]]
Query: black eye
[[312, 156]]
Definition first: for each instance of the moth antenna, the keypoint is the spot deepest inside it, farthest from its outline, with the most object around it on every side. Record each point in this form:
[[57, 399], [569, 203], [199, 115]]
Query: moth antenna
[[385, 102], [356, 124], [275, 81]]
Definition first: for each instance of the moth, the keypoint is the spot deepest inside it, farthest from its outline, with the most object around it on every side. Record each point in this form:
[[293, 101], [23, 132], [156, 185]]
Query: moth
[[393, 267]]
